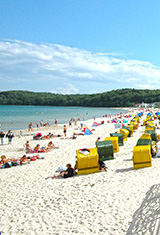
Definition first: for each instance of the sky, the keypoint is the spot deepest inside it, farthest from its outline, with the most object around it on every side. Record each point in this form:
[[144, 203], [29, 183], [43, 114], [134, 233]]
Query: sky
[[79, 46]]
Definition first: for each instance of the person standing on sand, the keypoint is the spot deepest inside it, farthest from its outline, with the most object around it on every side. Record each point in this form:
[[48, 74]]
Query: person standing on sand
[[10, 135], [20, 133], [65, 130], [55, 122], [30, 126], [2, 135]]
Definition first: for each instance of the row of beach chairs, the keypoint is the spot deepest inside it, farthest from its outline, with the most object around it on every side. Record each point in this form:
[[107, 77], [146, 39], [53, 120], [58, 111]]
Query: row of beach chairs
[[88, 159]]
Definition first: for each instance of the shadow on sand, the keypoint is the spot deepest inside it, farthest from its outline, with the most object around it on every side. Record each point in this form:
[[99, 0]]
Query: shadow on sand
[[124, 170], [146, 220]]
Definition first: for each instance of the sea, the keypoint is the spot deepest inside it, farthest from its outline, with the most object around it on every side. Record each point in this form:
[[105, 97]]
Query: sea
[[17, 117]]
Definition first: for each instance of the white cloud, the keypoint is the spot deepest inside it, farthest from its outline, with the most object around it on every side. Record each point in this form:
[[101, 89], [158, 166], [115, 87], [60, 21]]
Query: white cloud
[[146, 86], [67, 89], [63, 69]]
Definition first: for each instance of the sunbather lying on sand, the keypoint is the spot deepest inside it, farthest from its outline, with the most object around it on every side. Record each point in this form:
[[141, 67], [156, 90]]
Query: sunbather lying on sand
[[6, 163], [50, 135], [39, 149], [78, 133], [67, 138], [25, 159]]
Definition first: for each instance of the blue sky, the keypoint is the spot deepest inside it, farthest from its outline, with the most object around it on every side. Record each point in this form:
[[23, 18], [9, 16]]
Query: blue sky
[[79, 46]]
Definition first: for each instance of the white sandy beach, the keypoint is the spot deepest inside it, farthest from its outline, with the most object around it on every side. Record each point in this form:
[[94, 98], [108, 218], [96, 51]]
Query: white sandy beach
[[112, 203]]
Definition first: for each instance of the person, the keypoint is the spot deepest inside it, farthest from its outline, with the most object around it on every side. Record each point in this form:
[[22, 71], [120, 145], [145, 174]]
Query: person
[[69, 172], [2, 135], [55, 122], [30, 126], [72, 137], [51, 145], [10, 136], [76, 133], [37, 125], [102, 165], [98, 139], [28, 148], [4, 162], [154, 148], [20, 133], [70, 123], [38, 136], [65, 130], [38, 149], [24, 159], [50, 135], [45, 137]]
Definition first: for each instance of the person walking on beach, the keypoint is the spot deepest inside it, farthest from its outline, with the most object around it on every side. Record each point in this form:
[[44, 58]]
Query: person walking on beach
[[10, 136], [30, 126], [65, 130], [2, 135], [55, 122]]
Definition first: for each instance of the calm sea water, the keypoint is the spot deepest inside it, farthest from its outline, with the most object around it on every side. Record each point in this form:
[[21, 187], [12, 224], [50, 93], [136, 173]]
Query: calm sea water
[[18, 117]]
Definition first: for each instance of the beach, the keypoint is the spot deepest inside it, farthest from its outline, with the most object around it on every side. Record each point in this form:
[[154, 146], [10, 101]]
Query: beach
[[113, 203]]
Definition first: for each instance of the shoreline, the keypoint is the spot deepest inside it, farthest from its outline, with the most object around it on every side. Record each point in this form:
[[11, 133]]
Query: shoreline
[[60, 126], [15, 123]]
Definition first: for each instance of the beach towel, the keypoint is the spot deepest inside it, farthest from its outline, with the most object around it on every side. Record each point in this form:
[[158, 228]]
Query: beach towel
[[84, 151]]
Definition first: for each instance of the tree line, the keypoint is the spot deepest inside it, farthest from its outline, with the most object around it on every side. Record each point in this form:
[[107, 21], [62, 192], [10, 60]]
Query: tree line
[[114, 98]]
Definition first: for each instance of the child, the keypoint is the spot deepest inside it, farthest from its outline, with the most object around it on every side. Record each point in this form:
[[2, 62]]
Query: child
[[65, 130]]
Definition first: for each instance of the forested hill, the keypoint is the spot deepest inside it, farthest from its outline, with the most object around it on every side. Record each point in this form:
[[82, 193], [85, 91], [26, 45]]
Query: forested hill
[[114, 98]]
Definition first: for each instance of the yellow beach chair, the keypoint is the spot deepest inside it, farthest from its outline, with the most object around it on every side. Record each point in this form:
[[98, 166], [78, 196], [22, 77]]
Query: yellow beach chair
[[114, 140], [89, 163], [125, 133], [142, 156]]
